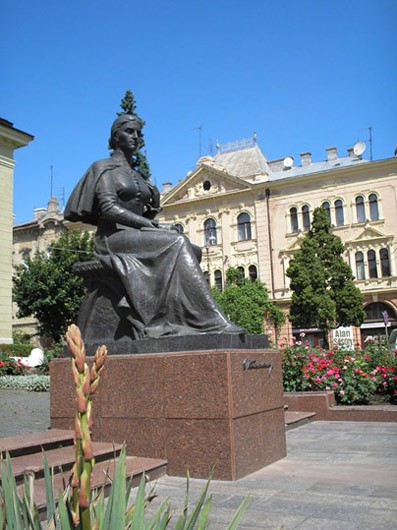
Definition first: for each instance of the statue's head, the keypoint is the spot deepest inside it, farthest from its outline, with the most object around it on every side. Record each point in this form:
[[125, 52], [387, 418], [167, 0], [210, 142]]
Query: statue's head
[[119, 123]]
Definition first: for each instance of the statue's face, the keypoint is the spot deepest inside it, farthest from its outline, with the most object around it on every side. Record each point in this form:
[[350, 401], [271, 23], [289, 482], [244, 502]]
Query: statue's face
[[127, 137]]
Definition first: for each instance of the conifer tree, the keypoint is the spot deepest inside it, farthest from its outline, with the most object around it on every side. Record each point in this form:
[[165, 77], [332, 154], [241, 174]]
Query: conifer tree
[[322, 283], [128, 106]]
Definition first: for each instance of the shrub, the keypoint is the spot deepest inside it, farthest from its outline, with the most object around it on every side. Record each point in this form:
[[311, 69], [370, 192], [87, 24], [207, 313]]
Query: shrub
[[16, 350], [10, 366], [33, 383], [354, 377], [55, 353]]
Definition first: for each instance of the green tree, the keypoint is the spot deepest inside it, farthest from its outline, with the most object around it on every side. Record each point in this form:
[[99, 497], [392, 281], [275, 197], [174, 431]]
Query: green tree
[[322, 283], [47, 288], [140, 163], [247, 302]]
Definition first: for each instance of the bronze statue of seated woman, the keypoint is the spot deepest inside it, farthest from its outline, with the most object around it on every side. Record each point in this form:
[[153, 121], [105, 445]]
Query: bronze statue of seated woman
[[148, 275]]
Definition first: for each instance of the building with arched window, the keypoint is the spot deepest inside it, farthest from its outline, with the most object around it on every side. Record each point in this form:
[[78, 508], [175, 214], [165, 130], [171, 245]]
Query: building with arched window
[[258, 210]]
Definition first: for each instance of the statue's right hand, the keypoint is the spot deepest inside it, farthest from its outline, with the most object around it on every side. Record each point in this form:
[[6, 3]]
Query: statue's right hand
[[151, 223]]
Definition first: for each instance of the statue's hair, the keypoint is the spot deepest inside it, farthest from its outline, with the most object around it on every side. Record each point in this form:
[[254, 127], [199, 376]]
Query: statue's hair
[[118, 123]]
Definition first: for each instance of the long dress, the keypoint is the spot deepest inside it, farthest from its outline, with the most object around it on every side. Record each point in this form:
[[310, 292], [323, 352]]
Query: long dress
[[165, 290]]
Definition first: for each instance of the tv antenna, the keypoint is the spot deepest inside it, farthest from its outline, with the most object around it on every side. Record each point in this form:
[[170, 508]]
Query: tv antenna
[[52, 179], [199, 129], [370, 143]]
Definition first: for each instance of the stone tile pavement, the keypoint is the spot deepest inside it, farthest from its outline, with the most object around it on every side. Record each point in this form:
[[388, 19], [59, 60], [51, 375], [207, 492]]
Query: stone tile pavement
[[22, 411], [337, 475]]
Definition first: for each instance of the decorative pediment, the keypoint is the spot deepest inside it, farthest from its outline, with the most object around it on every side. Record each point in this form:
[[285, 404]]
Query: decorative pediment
[[204, 182], [369, 234], [293, 247]]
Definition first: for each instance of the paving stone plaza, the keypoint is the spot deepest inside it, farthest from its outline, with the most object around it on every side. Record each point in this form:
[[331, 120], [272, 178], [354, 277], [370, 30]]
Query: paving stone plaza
[[336, 474]]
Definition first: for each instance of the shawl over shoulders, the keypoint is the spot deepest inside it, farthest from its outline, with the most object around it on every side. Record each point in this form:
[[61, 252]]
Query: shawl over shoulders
[[81, 205]]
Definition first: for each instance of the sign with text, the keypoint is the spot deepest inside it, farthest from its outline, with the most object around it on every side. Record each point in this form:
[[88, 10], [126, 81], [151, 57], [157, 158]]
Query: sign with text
[[343, 338]]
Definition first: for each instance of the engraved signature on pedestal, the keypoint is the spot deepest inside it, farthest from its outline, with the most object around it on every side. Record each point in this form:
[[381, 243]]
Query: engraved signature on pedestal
[[252, 364]]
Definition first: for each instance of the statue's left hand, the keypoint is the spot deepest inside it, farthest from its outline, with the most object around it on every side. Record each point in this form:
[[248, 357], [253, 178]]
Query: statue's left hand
[[165, 226]]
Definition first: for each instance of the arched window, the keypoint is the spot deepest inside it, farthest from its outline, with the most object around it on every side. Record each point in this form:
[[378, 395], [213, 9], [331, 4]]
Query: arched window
[[360, 209], [207, 277], [339, 216], [179, 228], [371, 256], [306, 218], [253, 273], [241, 269], [294, 219], [25, 255], [360, 266], [244, 227], [327, 208], [218, 280], [210, 237], [375, 311], [384, 262], [373, 207]]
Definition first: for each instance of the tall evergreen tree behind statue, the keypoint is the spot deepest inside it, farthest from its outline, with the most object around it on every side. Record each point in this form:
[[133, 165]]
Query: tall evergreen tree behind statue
[[141, 164], [324, 294]]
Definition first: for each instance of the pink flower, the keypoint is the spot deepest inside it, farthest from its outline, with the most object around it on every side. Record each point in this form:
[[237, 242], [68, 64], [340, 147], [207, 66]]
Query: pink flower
[[342, 392], [330, 372]]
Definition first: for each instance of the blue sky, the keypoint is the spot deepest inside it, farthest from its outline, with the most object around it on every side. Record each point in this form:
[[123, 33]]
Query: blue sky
[[303, 75]]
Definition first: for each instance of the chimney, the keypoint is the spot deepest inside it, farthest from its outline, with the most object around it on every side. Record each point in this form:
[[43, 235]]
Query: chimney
[[167, 186], [39, 213], [306, 159], [332, 153], [350, 152]]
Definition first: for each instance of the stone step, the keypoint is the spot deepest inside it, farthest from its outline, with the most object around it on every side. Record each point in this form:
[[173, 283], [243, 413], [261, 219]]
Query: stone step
[[60, 458], [103, 472], [296, 419], [36, 441], [26, 453]]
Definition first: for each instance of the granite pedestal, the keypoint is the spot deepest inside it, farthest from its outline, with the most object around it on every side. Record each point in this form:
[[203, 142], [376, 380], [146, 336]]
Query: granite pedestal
[[195, 409]]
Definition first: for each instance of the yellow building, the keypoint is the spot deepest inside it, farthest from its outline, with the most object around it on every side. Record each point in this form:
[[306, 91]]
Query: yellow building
[[10, 140], [34, 236], [250, 212]]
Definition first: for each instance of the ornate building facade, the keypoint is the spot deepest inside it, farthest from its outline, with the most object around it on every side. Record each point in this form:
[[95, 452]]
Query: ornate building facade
[[250, 212], [10, 140]]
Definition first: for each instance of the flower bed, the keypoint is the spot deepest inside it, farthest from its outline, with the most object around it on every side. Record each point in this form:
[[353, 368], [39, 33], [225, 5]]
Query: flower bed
[[11, 365], [355, 377]]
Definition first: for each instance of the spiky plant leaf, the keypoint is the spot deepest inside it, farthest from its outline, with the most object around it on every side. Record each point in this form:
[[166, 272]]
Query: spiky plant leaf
[[139, 511], [116, 505], [49, 490], [239, 513], [204, 514]]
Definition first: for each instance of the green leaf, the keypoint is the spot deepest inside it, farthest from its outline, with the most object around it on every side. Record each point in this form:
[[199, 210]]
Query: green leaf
[[139, 512], [63, 514], [239, 514]]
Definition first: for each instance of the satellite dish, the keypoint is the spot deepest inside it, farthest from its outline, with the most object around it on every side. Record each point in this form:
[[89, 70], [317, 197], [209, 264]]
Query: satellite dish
[[359, 148], [288, 162]]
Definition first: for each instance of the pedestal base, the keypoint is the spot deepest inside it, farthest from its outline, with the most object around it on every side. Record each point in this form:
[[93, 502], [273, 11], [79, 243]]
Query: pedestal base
[[194, 409]]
